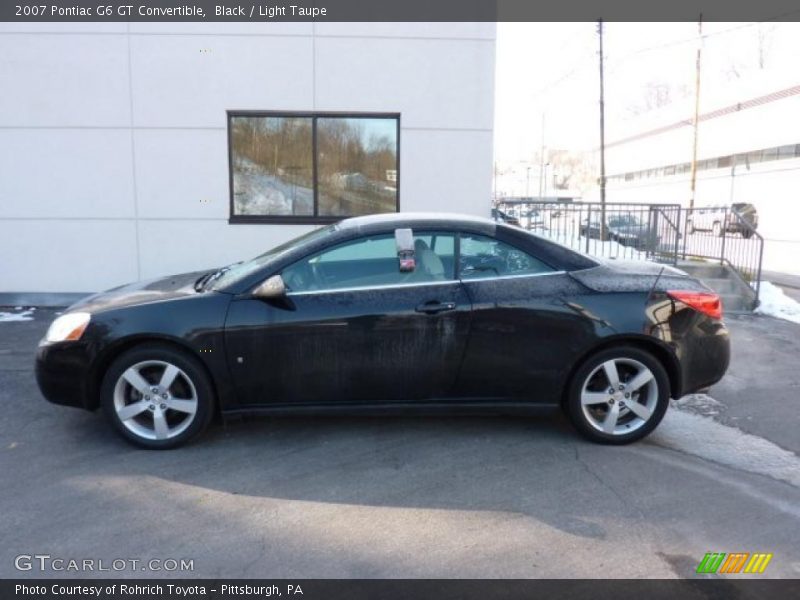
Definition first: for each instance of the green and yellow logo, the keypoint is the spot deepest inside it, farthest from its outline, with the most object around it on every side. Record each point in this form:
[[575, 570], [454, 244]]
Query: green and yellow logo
[[735, 562]]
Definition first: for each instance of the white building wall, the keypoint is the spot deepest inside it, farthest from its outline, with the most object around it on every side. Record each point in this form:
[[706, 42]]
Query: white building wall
[[769, 185], [113, 142]]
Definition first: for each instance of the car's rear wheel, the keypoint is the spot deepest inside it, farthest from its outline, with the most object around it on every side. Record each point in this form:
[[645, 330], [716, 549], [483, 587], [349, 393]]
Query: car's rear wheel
[[157, 397], [747, 234], [618, 396]]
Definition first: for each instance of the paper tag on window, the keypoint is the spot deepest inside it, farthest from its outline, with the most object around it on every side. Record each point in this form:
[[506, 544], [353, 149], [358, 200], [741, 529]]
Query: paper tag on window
[[405, 249]]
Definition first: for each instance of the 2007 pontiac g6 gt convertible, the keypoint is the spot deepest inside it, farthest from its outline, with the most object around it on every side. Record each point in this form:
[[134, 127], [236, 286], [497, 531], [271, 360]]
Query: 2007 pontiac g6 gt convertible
[[392, 313]]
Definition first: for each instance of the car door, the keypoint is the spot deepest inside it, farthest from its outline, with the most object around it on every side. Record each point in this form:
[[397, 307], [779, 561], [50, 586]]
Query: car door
[[354, 328], [524, 333]]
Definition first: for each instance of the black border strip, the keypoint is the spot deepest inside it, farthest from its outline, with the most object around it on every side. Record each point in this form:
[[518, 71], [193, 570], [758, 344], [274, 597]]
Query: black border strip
[[400, 10], [419, 589]]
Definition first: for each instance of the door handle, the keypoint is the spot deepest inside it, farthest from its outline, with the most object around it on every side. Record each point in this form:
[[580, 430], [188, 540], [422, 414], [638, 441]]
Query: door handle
[[434, 306]]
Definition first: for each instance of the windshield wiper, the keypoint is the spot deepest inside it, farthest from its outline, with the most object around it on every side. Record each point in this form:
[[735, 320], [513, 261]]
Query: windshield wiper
[[203, 282]]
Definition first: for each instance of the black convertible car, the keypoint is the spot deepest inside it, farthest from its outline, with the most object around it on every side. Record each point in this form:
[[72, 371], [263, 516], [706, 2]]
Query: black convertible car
[[392, 313]]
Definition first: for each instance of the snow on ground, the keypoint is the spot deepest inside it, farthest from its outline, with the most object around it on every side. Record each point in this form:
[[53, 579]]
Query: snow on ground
[[773, 302], [700, 404], [19, 314], [258, 192], [704, 437]]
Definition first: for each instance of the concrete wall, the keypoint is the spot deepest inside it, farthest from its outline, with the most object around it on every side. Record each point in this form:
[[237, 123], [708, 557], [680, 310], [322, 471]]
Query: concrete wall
[[113, 147]]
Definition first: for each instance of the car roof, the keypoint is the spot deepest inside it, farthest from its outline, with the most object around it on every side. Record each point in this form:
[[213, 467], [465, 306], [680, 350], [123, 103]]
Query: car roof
[[419, 219]]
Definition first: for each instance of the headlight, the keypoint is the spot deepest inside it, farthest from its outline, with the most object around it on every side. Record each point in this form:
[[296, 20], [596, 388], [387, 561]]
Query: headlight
[[68, 327]]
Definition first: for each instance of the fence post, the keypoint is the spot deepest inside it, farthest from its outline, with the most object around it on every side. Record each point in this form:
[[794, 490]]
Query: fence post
[[758, 273], [652, 232], [588, 226], [724, 232], [678, 237]]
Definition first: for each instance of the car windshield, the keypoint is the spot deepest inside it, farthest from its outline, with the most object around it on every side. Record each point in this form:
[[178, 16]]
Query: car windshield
[[623, 220], [237, 272]]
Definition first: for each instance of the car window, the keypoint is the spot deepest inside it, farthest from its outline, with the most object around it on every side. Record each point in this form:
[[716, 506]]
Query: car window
[[623, 220], [239, 271], [372, 262], [484, 257]]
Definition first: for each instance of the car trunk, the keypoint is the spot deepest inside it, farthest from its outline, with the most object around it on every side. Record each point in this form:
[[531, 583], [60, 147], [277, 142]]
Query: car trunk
[[636, 276]]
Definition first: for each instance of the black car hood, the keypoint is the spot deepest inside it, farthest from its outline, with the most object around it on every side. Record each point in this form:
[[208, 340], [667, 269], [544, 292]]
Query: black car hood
[[636, 276], [141, 292]]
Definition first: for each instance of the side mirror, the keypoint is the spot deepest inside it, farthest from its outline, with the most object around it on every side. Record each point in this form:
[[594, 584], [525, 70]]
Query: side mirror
[[271, 288]]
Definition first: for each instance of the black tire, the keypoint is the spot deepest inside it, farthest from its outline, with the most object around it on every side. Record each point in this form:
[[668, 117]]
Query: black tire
[[747, 234], [192, 370], [574, 407]]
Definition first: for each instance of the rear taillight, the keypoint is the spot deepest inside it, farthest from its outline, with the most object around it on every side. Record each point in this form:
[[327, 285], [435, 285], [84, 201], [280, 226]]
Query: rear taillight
[[707, 303]]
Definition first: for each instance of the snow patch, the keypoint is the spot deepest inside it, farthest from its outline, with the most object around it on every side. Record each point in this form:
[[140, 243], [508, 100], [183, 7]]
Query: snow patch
[[704, 437], [699, 404], [20, 315], [259, 192], [774, 303]]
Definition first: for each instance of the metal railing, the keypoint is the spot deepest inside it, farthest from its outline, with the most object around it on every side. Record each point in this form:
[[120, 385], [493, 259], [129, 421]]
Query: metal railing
[[725, 235], [658, 232], [632, 231]]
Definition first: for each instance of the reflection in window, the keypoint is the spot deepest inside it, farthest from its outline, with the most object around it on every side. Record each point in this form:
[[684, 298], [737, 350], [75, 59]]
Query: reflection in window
[[272, 164], [309, 166], [357, 166], [484, 257]]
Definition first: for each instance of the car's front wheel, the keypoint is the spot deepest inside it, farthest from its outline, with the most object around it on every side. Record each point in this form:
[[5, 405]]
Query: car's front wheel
[[157, 396], [618, 396]]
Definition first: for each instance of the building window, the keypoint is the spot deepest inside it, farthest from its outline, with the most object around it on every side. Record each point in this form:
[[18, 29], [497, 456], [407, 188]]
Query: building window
[[312, 167]]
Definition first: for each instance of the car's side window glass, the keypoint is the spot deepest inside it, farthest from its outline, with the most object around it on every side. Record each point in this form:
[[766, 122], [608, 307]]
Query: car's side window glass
[[483, 257], [372, 262]]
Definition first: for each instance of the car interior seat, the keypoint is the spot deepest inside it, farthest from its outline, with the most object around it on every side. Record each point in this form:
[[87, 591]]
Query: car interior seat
[[429, 266]]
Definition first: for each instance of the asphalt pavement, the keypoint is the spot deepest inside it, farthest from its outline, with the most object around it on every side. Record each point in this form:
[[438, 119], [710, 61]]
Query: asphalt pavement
[[412, 497]]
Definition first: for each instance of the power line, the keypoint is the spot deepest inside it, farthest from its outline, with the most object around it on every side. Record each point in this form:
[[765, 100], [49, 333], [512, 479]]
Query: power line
[[613, 64], [579, 65], [693, 39]]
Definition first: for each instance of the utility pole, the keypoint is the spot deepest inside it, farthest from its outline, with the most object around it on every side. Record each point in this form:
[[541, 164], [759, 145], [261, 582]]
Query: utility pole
[[693, 184], [602, 138]]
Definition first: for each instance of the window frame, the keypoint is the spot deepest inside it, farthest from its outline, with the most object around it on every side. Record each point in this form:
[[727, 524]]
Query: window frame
[[316, 218]]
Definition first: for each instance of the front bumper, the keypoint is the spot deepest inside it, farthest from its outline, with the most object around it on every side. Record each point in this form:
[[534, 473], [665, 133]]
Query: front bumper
[[63, 373]]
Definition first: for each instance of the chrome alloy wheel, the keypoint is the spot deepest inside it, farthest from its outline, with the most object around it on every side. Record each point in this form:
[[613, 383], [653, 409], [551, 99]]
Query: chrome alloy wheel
[[619, 396], [155, 400]]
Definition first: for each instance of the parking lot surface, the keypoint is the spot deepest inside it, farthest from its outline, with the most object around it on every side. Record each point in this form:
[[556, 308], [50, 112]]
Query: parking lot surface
[[412, 497]]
